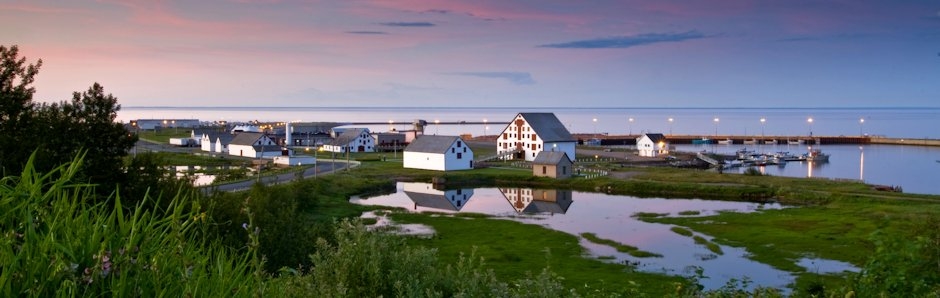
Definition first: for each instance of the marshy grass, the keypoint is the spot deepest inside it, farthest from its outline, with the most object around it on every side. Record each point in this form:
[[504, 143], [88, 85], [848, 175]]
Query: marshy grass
[[690, 213], [632, 250], [715, 248], [682, 231]]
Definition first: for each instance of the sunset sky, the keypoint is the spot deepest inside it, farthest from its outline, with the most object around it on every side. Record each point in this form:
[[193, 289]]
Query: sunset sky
[[416, 53]]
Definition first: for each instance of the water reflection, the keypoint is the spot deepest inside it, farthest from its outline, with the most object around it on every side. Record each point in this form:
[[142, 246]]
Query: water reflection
[[535, 201], [611, 217]]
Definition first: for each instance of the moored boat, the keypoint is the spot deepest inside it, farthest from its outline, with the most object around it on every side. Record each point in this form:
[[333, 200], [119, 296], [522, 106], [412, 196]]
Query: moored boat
[[817, 155], [795, 142], [725, 142], [770, 142], [750, 142], [701, 141]]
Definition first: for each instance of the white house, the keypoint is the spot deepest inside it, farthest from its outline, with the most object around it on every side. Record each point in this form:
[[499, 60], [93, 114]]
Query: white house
[[215, 142], [652, 145], [439, 153], [252, 144], [353, 140], [425, 195], [530, 133]]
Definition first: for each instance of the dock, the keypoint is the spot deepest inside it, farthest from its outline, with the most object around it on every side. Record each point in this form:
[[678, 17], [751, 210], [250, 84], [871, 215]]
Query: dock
[[781, 139]]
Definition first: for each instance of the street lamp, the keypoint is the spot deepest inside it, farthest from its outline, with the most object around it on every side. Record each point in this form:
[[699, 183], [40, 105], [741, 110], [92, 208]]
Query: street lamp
[[390, 123], [762, 120], [595, 127], [861, 122], [810, 121], [670, 125], [716, 127], [437, 124], [630, 125], [484, 127]]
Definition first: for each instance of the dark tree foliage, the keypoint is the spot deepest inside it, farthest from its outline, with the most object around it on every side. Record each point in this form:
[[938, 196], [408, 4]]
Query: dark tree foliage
[[16, 95], [86, 123]]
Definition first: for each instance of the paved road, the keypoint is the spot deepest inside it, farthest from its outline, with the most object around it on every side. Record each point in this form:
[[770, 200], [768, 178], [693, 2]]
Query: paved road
[[324, 167]]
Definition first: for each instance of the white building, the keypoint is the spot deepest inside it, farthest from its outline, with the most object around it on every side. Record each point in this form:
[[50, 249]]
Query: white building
[[215, 142], [530, 133], [439, 153], [255, 145], [652, 145], [352, 140]]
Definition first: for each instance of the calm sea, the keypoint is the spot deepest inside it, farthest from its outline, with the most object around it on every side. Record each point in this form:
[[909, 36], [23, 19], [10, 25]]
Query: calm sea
[[915, 169]]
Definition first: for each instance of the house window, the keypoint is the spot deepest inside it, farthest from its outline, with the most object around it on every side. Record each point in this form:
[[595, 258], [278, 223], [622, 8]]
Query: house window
[[458, 144], [533, 137], [544, 170], [459, 155], [464, 149], [452, 150], [564, 170], [505, 136]]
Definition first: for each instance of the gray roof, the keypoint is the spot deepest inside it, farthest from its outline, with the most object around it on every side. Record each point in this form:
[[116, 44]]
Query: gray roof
[[548, 127], [656, 137], [550, 157], [224, 137], [432, 144], [347, 136], [547, 207], [246, 138]]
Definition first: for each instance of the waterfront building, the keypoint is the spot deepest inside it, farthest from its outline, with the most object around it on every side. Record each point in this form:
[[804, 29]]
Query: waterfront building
[[352, 140], [439, 153], [255, 145], [530, 133], [652, 145]]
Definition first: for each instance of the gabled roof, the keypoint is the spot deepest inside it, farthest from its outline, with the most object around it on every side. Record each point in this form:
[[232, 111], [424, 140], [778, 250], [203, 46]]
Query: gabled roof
[[348, 135], [550, 157], [547, 127], [246, 138], [656, 137], [223, 137], [432, 144]]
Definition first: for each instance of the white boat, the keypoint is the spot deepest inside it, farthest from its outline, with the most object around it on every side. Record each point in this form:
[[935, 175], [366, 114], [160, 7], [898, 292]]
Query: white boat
[[770, 142], [817, 155], [725, 142], [750, 142], [786, 156], [795, 142]]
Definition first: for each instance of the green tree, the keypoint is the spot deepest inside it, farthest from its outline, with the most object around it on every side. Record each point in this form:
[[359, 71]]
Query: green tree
[[16, 95], [86, 123]]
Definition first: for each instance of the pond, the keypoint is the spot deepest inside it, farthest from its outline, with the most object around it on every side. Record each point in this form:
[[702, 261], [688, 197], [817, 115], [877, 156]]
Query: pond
[[612, 217]]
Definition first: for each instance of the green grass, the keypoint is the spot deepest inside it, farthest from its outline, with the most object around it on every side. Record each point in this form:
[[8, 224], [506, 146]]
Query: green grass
[[690, 213], [682, 231], [708, 244], [519, 248], [163, 135], [649, 214], [632, 250]]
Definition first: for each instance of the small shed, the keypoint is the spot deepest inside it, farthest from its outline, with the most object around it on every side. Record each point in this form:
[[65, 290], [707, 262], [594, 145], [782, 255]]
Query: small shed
[[554, 164]]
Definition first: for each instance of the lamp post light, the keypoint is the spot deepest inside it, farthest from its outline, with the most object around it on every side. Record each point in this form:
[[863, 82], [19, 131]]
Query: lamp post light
[[810, 121], [861, 122], [630, 125], [670, 125], [437, 124], [484, 127], [762, 120], [595, 127], [390, 125], [716, 127]]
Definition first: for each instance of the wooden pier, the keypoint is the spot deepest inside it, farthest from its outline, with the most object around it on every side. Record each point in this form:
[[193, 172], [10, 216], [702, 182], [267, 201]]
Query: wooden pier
[[781, 140]]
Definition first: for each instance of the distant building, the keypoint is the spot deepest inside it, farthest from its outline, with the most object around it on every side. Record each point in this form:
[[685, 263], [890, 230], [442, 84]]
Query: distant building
[[215, 141], [439, 153], [352, 140], [652, 145], [530, 133], [255, 145], [389, 141], [152, 124], [554, 164]]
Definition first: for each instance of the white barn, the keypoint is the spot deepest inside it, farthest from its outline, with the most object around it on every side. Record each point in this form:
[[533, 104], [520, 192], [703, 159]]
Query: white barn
[[652, 145], [439, 153], [252, 144], [352, 140], [530, 133]]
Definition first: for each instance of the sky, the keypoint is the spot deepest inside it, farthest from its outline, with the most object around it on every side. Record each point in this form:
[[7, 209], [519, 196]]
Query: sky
[[484, 53]]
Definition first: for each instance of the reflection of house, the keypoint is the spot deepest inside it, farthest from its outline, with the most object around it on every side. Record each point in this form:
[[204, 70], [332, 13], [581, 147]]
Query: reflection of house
[[424, 195], [252, 144], [352, 140], [439, 153], [532, 201], [530, 133], [554, 164], [652, 145]]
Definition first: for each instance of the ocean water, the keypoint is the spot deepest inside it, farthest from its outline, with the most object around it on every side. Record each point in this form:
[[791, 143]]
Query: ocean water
[[915, 169]]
